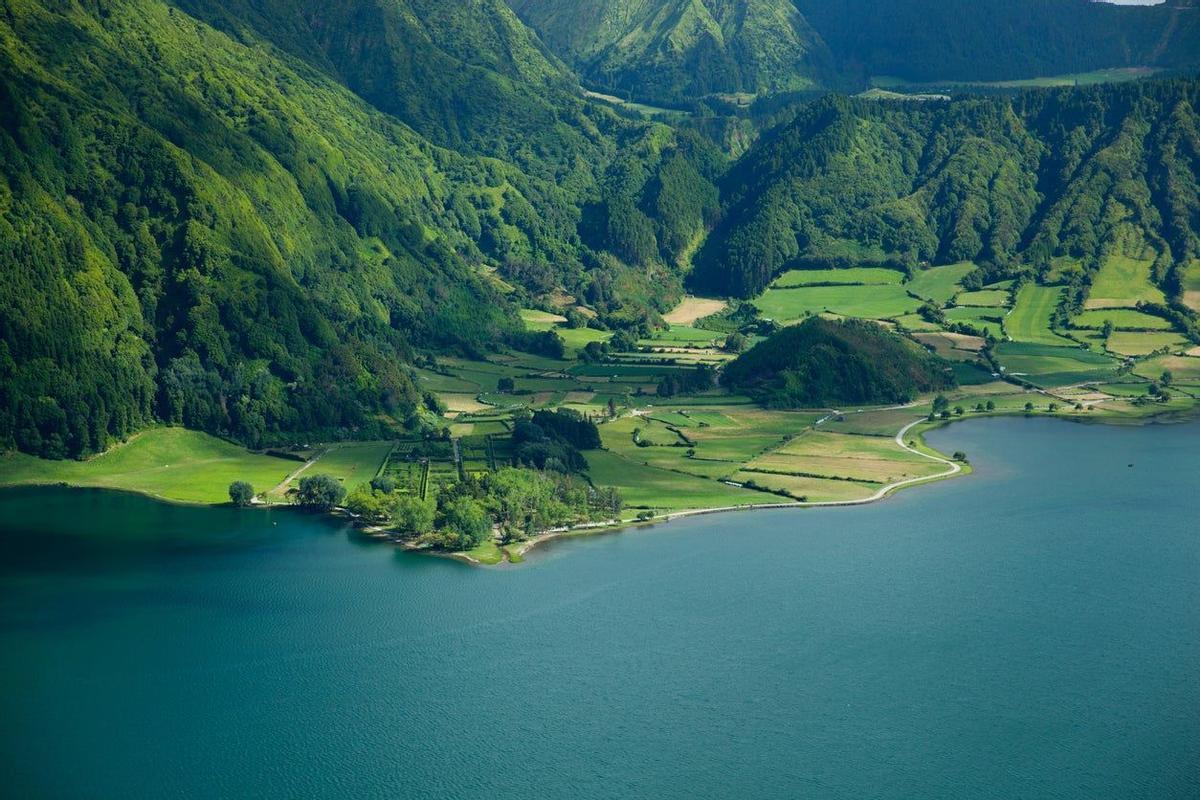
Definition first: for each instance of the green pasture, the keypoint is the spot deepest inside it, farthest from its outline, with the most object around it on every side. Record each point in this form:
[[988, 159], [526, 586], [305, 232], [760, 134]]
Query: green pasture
[[983, 297], [1121, 318], [1121, 282], [868, 302], [1030, 317], [646, 487], [1133, 343], [939, 283], [852, 275], [169, 463], [1049, 365]]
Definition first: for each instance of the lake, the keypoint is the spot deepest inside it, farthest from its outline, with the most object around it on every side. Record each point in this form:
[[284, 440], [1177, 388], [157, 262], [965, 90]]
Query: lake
[[1032, 630]]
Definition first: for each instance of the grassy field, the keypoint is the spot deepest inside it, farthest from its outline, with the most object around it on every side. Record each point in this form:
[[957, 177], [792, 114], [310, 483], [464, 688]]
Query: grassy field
[[169, 463], [984, 297], [1121, 282], [1121, 318], [939, 283], [1048, 365], [646, 487], [1191, 284], [1131, 343], [351, 463], [1030, 317], [869, 302], [853, 275]]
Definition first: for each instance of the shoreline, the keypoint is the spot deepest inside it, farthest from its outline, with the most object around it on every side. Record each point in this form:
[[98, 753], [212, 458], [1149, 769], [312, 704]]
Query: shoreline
[[521, 549]]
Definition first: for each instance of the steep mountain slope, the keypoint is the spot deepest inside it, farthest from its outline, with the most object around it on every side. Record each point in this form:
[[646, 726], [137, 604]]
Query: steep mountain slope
[[677, 49], [1045, 174], [206, 230], [986, 40]]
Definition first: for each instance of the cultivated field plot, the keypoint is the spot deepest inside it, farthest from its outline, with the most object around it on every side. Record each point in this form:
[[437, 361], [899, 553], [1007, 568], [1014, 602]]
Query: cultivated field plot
[[808, 489], [351, 463], [1121, 318], [952, 346], [537, 320], [1121, 282], [881, 422], [847, 457], [854, 275], [939, 283], [1030, 317], [1183, 369], [646, 487], [1047, 365], [1130, 343], [869, 302], [990, 319], [691, 309], [988, 298], [1191, 284], [171, 463]]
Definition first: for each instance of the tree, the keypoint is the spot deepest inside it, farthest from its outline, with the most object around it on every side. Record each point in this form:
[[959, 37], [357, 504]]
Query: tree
[[959, 455], [1028, 408], [412, 515], [940, 404], [319, 492], [1107, 329], [576, 319], [735, 343], [505, 384], [1166, 378], [468, 518], [990, 406], [383, 483], [370, 504], [241, 493], [958, 411]]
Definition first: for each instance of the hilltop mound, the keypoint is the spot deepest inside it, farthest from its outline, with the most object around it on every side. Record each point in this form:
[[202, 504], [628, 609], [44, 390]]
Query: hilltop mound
[[827, 362]]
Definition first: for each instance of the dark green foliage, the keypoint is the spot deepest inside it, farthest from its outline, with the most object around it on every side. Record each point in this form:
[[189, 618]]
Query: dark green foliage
[[319, 492], [569, 426], [1011, 182], [214, 231], [823, 362], [671, 50], [241, 493]]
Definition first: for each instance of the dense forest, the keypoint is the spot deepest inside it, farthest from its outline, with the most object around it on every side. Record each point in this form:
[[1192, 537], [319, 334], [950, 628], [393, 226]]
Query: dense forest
[[823, 362], [1009, 182], [208, 230]]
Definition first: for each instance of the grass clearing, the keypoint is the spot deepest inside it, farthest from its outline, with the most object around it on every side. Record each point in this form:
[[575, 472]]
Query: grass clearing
[[691, 309], [1121, 318], [1130, 343], [352, 463], [1048, 365], [646, 487], [869, 302], [809, 489], [984, 297], [1030, 318], [873, 276], [939, 284], [1121, 282], [169, 463]]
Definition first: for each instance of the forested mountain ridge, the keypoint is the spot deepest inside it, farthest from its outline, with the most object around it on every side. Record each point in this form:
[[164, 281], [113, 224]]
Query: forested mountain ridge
[[678, 49], [990, 40], [1065, 173], [206, 230]]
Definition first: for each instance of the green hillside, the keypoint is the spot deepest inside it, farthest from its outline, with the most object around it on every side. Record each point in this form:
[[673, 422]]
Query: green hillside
[[824, 362], [202, 228], [1002, 181], [678, 49]]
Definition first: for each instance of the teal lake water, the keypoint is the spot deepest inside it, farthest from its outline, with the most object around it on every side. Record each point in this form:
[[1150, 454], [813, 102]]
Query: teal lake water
[[1030, 631]]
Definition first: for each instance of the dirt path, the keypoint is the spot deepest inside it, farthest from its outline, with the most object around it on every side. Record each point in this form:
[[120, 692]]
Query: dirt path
[[282, 487]]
